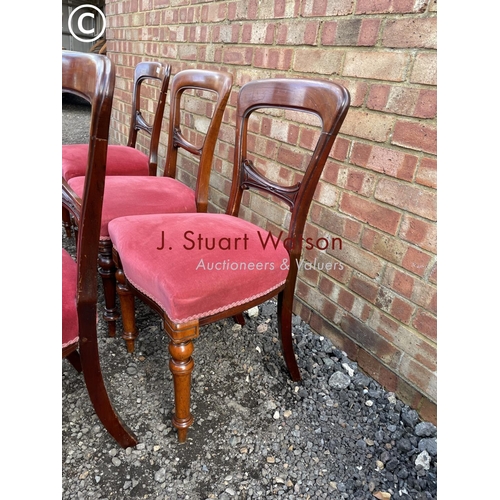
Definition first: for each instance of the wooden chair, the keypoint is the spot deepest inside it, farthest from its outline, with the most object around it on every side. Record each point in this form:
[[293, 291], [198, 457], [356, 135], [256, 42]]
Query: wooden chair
[[125, 160], [197, 268], [134, 195], [91, 77]]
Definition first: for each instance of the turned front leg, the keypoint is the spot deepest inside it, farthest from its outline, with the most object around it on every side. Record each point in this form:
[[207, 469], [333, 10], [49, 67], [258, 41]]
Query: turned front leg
[[127, 305], [181, 366]]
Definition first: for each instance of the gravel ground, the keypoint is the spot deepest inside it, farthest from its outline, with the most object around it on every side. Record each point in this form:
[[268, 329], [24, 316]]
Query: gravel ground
[[337, 434]]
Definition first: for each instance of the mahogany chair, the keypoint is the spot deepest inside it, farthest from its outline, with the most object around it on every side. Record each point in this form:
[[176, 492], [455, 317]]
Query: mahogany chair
[[126, 160], [91, 77], [135, 195], [197, 268]]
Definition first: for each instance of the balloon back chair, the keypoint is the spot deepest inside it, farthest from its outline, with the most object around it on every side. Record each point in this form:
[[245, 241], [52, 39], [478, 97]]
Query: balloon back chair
[[91, 77], [126, 160], [194, 269], [135, 195]]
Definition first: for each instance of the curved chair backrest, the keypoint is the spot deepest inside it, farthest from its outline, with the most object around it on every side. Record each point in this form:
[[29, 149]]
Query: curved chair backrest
[[149, 70], [204, 80], [328, 101], [92, 77]]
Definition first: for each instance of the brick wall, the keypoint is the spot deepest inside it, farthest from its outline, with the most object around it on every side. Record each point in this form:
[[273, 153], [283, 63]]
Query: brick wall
[[378, 191]]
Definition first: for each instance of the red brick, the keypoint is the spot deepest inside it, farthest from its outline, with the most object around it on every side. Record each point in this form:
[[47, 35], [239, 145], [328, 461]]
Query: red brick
[[390, 6], [310, 276], [161, 3], [378, 97], [298, 33], [419, 232], [328, 309], [401, 310], [238, 55], [427, 104], [368, 34], [425, 295], [316, 8], [376, 215], [273, 58], [384, 160], [309, 138], [292, 157], [414, 32], [398, 281], [372, 342], [340, 149], [345, 299], [363, 287], [427, 411], [416, 261], [418, 375], [244, 10], [360, 182], [375, 369], [404, 338], [408, 394], [258, 33], [427, 172], [226, 33], [336, 222], [213, 12], [329, 32], [424, 69], [402, 100], [408, 197], [426, 324]]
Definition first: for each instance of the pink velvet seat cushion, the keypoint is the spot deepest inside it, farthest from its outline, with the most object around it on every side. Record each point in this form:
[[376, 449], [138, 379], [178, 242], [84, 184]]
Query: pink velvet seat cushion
[[140, 195], [209, 263], [69, 313], [121, 160]]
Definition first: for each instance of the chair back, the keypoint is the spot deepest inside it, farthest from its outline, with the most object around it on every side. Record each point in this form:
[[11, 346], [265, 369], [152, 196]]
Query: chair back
[[92, 77], [326, 100], [216, 82], [144, 71]]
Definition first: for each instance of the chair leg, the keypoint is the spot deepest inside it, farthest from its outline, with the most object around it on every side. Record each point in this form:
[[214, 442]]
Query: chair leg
[[181, 365], [98, 394], [67, 223], [74, 359], [239, 319], [107, 273], [285, 331], [127, 305]]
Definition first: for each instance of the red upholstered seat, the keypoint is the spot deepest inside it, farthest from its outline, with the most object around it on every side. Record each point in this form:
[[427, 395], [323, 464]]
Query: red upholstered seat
[[204, 257], [121, 160], [69, 313], [140, 195]]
